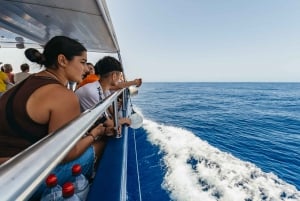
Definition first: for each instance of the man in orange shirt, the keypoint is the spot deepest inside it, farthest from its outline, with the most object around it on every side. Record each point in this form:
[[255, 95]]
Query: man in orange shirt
[[91, 76]]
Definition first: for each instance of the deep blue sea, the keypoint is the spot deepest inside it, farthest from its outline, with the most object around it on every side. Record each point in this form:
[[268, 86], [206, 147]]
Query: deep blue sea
[[216, 141]]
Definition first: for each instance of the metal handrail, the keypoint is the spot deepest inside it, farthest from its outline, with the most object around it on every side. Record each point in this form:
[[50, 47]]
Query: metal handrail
[[22, 174]]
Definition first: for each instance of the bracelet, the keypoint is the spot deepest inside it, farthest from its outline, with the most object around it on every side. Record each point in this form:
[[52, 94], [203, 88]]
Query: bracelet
[[94, 138]]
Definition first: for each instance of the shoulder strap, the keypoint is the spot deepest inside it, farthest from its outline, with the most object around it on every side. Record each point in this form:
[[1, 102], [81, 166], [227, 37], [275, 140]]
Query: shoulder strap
[[11, 120]]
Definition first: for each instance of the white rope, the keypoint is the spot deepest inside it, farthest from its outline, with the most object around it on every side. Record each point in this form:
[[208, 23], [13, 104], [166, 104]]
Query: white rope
[[137, 166]]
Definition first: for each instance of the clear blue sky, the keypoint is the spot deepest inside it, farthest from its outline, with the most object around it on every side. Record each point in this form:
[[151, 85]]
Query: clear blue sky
[[211, 40]]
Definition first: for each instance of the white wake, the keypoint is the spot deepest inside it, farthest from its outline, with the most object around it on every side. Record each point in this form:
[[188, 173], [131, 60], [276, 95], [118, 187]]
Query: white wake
[[197, 171]]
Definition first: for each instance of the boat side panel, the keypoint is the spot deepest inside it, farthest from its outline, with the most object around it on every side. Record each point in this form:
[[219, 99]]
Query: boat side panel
[[109, 181]]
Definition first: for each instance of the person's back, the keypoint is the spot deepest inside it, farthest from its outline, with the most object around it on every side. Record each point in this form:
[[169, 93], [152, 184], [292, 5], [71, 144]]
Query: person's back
[[16, 134], [8, 70], [89, 95], [3, 82], [18, 77]]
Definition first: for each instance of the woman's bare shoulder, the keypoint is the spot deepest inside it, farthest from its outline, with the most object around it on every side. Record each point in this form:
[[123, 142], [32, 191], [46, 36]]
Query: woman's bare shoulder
[[53, 95], [56, 90], [53, 101]]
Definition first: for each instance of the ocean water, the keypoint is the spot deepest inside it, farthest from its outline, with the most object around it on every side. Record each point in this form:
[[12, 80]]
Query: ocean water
[[216, 141]]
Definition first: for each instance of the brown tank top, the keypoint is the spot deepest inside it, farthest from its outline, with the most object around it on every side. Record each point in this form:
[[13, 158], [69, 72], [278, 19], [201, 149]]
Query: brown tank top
[[17, 130]]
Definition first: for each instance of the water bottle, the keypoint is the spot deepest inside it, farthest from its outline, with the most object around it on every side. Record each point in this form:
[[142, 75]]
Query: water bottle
[[53, 192], [80, 182], [68, 192]]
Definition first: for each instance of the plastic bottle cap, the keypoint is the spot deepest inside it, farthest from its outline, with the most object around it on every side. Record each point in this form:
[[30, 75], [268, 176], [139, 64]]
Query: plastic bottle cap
[[68, 189], [76, 169], [51, 180]]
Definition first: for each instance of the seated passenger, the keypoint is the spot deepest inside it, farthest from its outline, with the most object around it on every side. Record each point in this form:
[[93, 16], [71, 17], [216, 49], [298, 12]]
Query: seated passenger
[[8, 70], [4, 81], [109, 70], [90, 77], [18, 77], [42, 104]]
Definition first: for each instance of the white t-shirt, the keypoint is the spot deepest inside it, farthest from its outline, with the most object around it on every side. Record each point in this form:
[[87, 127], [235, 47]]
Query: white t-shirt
[[18, 77], [90, 94]]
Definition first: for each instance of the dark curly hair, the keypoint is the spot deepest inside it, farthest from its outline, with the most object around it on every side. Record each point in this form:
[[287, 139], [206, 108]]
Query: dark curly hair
[[106, 65]]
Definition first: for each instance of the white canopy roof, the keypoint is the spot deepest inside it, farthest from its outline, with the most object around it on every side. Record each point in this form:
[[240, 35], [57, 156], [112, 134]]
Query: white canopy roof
[[31, 23]]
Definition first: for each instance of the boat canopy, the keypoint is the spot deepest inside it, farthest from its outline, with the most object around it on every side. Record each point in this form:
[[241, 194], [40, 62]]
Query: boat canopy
[[31, 23]]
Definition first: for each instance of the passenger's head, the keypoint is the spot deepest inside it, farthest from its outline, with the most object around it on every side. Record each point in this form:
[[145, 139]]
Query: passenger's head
[[7, 68], [122, 79], [61, 53], [24, 67], [91, 68], [109, 67]]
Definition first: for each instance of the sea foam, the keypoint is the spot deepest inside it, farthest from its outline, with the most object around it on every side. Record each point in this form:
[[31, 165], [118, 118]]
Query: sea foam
[[195, 170]]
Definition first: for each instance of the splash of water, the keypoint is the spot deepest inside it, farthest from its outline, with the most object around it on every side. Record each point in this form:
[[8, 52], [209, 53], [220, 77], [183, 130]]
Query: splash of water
[[195, 170]]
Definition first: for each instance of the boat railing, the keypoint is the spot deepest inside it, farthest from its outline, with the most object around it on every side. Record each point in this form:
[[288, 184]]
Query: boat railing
[[22, 174]]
